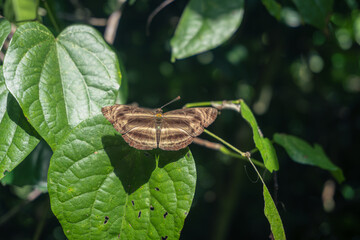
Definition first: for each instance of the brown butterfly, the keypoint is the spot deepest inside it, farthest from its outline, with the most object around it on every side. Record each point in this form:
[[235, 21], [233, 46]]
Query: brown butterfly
[[146, 129]]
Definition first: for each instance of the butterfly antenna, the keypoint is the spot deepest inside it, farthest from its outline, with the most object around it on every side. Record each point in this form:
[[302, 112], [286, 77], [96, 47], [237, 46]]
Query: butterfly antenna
[[175, 99]]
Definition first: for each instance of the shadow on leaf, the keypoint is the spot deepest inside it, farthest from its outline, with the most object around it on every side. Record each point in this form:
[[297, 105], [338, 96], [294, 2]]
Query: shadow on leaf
[[134, 167], [131, 166], [16, 115]]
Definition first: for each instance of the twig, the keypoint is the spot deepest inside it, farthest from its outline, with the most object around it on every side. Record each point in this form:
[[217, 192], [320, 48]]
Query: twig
[[227, 105], [232, 104], [239, 154], [208, 144], [244, 154], [113, 23], [156, 11]]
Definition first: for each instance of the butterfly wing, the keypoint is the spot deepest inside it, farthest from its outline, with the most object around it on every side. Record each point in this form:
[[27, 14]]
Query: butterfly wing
[[137, 125], [180, 127]]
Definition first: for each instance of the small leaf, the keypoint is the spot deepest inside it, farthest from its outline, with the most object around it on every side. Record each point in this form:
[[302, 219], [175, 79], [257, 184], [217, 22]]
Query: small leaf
[[302, 152], [123, 92], [205, 25], [273, 216], [101, 188], [315, 12], [264, 145], [33, 170], [60, 82], [17, 137], [273, 7], [5, 29]]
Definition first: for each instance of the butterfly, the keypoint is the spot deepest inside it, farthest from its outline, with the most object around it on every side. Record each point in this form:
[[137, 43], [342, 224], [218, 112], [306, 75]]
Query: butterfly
[[146, 129]]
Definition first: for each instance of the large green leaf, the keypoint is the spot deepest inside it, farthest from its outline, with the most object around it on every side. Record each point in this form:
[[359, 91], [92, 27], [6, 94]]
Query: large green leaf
[[17, 137], [273, 216], [205, 25], [302, 152], [315, 12], [101, 188], [5, 29], [60, 82], [264, 145]]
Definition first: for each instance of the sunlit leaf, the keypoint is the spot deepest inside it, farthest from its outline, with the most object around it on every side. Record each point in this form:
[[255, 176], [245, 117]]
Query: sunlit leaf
[[273, 216], [205, 25], [8, 11], [302, 152], [25, 10], [101, 188], [60, 82], [5, 29], [17, 137], [264, 145], [123, 92], [315, 12]]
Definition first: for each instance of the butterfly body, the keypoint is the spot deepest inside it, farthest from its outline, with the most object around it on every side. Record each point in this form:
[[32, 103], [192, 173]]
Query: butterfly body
[[147, 129]]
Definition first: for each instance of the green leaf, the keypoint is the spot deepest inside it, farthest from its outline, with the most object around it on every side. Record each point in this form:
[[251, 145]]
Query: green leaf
[[273, 7], [205, 25], [8, 11], [101, 188], [17, 137], [25, 10], [315, 12], [273, 216], [123, 92], [60, 82], [264, 145], [33, 170], [5, 29], [302, 152]]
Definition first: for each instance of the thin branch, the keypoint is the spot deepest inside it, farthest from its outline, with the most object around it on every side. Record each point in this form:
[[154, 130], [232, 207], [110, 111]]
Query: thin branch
[[244, 154], [155, 12], [240, 155], [232, 104], [113, 23], [207, 144]]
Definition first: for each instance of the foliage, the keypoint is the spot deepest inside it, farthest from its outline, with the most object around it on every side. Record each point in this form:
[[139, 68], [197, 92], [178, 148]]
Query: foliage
[[53, 87]]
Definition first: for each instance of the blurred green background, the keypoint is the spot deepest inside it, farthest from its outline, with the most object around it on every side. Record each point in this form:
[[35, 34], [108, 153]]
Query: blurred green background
[[296, 78]]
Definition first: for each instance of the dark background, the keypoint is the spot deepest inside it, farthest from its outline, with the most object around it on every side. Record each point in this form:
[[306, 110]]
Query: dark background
[[296, 79]]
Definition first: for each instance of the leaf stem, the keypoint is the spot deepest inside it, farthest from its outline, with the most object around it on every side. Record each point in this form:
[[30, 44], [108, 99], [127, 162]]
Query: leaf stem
[[210, 103], [243, 155]]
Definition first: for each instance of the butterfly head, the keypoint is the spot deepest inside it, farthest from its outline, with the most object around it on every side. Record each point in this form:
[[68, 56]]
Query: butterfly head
[[158, 113]]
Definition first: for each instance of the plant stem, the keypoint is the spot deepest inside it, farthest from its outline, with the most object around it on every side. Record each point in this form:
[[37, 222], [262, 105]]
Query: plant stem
[[209, 103], [244, 155], [51, 16], [235, 155]]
